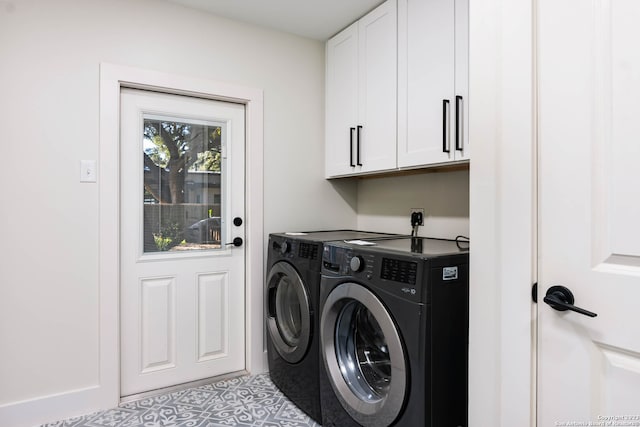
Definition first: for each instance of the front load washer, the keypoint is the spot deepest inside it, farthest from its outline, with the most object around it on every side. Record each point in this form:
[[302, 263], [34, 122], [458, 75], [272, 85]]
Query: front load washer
[[291, 294], [394, 333]]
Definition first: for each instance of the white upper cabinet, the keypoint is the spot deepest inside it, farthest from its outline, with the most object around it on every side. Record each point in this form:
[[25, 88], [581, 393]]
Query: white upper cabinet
[[341, 102], [432, 82], [361, 95]]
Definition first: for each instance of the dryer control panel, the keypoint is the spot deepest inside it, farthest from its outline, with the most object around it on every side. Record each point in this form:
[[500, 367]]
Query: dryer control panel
[[305, 255], [394, 275], [399, 270]]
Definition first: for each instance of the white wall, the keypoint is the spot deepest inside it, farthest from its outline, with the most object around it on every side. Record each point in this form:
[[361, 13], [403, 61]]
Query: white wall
[[49, 76], [384, 203]]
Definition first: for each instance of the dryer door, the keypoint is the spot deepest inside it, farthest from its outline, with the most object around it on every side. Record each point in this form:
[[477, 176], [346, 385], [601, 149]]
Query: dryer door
[[364, 355], [288, 312]]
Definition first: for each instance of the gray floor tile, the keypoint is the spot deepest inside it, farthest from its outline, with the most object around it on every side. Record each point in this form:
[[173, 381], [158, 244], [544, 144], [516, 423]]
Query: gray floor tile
[[252, 401]]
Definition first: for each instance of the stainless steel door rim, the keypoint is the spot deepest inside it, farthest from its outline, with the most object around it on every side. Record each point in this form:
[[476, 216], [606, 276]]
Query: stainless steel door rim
[[363, 355], [288, 312]]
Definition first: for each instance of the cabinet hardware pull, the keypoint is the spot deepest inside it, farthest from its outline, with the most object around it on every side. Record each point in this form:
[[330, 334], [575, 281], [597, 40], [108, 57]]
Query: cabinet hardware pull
[[358, 146], [445, 127], [351, 147], [459, 132]]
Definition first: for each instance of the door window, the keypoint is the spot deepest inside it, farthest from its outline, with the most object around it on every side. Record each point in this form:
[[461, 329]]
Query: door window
[[183, 191]]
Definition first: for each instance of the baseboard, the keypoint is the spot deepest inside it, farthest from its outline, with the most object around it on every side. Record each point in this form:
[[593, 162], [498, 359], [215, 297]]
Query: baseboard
[[37, 411]]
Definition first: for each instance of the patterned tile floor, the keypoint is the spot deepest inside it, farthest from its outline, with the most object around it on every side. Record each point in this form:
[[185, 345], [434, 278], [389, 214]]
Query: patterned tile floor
[[251, 401]]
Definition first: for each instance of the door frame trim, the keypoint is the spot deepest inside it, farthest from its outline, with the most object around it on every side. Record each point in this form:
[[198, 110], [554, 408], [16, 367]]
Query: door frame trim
[[503, 263], [112, 79]]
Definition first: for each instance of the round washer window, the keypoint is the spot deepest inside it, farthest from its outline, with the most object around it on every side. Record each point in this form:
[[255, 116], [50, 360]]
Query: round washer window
[[363, 354], [288, 312]]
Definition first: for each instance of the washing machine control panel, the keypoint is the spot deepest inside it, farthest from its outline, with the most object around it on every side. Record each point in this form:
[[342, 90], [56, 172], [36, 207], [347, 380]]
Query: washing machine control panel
[[305, 255], [399, 270], [398, 275], [345, 262]]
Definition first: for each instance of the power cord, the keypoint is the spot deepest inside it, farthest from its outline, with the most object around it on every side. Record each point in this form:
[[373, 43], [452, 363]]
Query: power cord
[[464, 240]]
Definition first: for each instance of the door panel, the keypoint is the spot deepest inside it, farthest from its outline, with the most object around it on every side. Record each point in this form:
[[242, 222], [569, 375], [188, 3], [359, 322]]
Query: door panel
[[158, 323], [213, 316], [589, 209], [182, 287]]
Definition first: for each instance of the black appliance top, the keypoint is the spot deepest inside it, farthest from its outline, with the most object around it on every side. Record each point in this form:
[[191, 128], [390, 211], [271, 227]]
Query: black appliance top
[[427, 247], [333, 235]]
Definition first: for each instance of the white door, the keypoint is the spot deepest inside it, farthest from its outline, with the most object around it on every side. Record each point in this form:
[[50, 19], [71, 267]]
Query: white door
[[182, 201], [589, 211]]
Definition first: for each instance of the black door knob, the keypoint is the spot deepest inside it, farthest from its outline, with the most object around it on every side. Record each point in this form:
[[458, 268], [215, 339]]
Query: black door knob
[[561, 298], [236, 242]]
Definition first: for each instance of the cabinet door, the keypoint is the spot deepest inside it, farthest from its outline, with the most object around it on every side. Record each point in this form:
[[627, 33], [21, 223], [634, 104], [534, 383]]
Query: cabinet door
[[461, 106], [341, 102], [426, 97], [377, 89]]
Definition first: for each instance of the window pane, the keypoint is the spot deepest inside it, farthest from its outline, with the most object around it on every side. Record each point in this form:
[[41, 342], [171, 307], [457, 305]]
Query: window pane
[[182, 192]]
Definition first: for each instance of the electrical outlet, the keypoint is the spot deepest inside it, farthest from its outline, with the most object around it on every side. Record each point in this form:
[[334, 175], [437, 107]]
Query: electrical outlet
[[417, 215]]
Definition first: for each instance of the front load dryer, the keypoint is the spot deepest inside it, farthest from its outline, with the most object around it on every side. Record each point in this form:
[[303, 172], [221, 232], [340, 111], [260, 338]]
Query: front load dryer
[[291, 294], [394, 333]]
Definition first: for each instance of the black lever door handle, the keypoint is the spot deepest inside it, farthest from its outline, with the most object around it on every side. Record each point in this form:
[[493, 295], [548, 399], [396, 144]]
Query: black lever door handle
[[561, 298], [236, 242]]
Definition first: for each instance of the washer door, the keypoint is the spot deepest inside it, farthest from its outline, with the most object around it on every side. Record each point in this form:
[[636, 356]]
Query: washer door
[[363, 354], [288, 312]]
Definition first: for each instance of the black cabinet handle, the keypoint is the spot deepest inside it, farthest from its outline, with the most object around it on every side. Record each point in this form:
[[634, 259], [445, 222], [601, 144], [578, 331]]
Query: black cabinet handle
[[445, 128], [561, 299], [358, 146], [351, 147], [458, 123]]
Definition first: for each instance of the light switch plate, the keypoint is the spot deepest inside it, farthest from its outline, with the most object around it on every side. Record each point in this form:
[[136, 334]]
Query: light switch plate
[[88, 171]]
